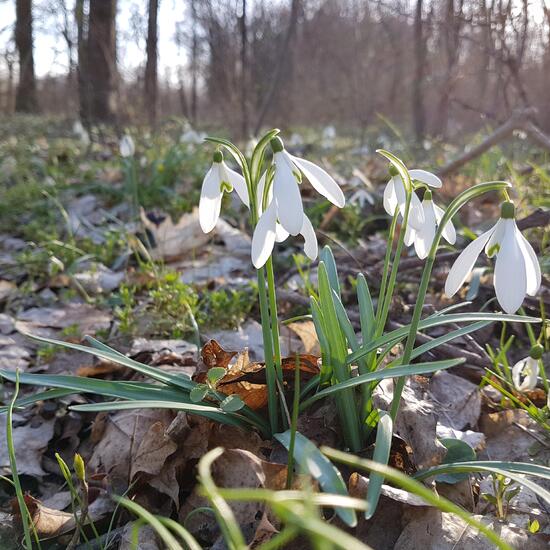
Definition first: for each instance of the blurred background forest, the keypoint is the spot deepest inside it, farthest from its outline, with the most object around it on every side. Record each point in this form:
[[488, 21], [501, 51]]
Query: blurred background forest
[[432, 68]]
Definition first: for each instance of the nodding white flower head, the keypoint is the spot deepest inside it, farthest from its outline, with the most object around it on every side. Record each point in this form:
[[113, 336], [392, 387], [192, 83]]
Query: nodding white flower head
[[517, 270], [395, 195], [286, 193], [219, 179], [127, 147], [268, 230], [525, 372], [423, 237]]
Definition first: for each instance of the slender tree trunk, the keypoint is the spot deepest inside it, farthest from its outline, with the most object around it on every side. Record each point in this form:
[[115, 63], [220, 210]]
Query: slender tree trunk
[[419, 115], [82, 71], [151, 76], [283, 55], [244, 72], [101, 60], [194, 67], [25, 99]]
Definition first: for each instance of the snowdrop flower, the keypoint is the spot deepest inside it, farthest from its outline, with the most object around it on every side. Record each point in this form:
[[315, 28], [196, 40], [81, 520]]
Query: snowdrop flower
[[517, 270], [395, 195], [423, 237], [268, 230], [80, 132], [127, 147], [218, 179], [525, 371], [329, 135], [289, 169]]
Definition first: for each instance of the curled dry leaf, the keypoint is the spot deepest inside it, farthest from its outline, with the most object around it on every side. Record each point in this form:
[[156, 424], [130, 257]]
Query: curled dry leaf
[[248, 379], [48, 522]]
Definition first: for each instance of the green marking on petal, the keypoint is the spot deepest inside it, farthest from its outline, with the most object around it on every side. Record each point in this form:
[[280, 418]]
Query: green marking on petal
[[495, 249], [225, 186]]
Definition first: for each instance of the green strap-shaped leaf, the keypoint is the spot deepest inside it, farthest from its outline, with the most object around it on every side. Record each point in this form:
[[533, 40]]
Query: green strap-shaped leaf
[[384, 432], [313, 462]]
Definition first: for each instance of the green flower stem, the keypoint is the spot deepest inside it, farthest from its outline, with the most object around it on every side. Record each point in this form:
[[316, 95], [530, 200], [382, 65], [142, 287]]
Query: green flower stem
[[452, 209]]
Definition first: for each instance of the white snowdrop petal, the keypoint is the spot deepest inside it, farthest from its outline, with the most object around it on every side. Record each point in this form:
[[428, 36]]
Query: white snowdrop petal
[[464, 263], [416, 212], [525, 373], [532, 265], [410, 236], [495, 241], [210, 203], [263, 239], [260, 192], [238, 183], [321, 181], [280, 233], [287, 196], [425, 236], [390, 198], [510, 278], [426, 177], [449, 231], [310, 239]]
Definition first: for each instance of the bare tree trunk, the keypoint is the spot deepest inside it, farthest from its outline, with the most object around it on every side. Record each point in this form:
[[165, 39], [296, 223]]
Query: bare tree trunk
[[82, 71], [284, 52], [244, 72], [419, 115], [194, 67], [101, 60], [151, 85], [25, 99]]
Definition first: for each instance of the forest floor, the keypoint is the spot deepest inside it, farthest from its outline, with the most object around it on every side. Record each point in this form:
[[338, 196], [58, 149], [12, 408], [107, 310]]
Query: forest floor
[[78, 258]]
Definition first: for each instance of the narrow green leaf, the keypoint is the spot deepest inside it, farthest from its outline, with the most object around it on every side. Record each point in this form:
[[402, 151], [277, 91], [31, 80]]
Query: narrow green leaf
[[312, 461], [403, 370], [395, 336], [411, 485], [381, 455], [327, 257], [116, 357], [201, 410], [366, 309], [345, 323]]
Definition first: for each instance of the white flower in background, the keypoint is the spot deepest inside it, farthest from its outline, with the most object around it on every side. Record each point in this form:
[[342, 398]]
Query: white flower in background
[[81, 132], [219, 179], [525, 372], [296, 140], [268, 230], [423, 238], [329, 135], [395, 195], [517, 270], [286, 193], [127, 147]]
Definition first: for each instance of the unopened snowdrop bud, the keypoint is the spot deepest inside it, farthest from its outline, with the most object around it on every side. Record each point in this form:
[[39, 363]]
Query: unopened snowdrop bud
[[517, 270], [526, 371], [219, 179], [127, 147]]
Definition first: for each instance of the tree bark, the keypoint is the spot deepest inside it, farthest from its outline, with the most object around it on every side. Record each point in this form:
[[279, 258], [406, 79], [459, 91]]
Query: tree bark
[[26, 98], [82, 72], [244, 72], [151, 74], [283, 55], [419, 116], [101, 60]]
